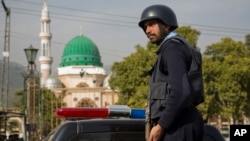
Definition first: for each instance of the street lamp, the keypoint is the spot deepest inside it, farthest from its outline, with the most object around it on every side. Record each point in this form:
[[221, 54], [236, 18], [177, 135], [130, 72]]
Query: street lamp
[[31, 54], [32, 95]]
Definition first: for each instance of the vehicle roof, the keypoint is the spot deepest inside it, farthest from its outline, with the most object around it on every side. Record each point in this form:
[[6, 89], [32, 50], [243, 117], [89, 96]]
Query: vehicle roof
[[71, 128]]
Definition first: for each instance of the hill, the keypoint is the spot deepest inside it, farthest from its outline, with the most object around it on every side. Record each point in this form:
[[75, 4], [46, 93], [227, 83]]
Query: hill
[[15, 80]]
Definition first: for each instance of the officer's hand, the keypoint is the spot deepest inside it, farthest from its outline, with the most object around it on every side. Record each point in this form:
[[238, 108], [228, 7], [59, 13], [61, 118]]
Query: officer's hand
[[156, 133]]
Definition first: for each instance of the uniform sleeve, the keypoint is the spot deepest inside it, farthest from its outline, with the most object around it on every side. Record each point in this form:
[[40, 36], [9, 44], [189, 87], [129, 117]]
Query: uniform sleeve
[[175, 60]]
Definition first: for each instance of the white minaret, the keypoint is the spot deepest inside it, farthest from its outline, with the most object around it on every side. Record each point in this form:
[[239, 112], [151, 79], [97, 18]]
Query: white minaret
[[45, 59]]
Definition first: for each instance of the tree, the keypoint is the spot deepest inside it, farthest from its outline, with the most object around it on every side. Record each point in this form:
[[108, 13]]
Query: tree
[[191, 35], [130, 76], [226, 73], [20, 101], [247, 38], [49, 103]]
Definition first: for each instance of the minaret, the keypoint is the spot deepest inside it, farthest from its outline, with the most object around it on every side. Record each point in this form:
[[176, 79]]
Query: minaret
[[45, 59]]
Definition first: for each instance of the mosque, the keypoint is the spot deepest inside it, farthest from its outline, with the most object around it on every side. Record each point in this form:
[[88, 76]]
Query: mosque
[[81, 80]]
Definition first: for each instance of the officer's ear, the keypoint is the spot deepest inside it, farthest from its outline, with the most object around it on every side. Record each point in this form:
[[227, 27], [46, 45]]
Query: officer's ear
[[165, 27]]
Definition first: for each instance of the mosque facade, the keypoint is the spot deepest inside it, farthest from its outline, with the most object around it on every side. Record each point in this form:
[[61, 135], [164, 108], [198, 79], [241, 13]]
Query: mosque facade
[[81, 80]]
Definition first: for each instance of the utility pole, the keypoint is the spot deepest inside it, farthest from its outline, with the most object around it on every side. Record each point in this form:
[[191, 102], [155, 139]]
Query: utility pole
[[5, 63], [5, 72]]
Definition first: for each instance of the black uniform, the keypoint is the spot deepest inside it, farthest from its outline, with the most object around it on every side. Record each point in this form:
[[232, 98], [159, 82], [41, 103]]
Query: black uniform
[[170, 94]]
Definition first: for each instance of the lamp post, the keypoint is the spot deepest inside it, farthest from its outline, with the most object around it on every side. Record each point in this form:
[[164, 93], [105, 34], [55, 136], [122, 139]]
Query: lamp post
[[32, 95]]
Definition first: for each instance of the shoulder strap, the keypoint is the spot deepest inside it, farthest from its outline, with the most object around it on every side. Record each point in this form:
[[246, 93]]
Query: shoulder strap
[[196, 55], [156, 68]]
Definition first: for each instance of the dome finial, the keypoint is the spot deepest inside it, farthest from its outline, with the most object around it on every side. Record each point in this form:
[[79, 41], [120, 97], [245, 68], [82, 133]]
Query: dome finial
[[81, 31]]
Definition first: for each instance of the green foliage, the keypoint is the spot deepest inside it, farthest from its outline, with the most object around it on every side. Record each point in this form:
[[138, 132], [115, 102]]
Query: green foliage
[[49, 104], [226, 72], [140, 98], [131, 75], [19, 102], [191, 35]]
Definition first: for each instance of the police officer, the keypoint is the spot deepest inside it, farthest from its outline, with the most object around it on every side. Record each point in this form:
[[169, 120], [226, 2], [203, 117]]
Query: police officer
[[172, 116]]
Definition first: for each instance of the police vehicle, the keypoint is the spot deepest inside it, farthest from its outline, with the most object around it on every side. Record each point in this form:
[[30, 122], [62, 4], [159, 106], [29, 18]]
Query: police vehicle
[[114, 123]]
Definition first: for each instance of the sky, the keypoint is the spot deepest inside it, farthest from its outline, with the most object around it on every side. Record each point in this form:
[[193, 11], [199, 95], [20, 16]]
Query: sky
[[113, 24]]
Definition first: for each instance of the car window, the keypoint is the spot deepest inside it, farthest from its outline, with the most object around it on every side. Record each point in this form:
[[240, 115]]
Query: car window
[[110, 136]]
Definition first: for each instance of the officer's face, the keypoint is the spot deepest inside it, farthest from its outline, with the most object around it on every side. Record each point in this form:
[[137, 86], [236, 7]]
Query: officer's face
[[155, 31]]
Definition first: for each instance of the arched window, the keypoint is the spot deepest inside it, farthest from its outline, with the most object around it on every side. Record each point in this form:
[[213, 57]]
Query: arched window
[[86, 102]]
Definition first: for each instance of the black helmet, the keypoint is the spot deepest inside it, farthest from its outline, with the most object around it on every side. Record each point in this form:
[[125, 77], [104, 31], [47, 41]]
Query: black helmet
[[161, 12]]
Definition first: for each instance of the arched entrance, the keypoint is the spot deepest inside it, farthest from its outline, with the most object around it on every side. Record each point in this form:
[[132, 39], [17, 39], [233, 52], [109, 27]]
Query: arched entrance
[[86, 102]]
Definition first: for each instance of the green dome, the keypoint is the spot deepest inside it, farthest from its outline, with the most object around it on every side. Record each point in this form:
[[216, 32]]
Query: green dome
[[81, 51]]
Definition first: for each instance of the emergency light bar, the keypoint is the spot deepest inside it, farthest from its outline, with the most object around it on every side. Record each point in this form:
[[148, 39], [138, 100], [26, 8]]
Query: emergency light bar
[[111, 111]]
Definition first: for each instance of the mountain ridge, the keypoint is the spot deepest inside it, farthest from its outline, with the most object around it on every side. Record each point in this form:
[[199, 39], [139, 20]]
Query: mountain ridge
[[15, 81]]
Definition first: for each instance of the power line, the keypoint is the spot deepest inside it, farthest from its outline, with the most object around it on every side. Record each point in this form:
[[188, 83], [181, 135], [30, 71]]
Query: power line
[[216, 30], [83, 10], [32, 38], [113, 23], [71, 15], [221, 35], [131, 17], [219, 27], [85, 19]]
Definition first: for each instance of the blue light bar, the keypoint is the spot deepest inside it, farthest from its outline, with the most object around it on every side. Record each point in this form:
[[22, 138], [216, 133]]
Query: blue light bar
[[137, 113], [125, 111]]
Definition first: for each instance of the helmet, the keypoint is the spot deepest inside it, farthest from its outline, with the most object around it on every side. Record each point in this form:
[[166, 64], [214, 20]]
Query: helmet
[[161, 12]]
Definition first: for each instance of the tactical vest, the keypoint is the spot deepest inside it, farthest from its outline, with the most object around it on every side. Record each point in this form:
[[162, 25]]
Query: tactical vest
[[159, 89]]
